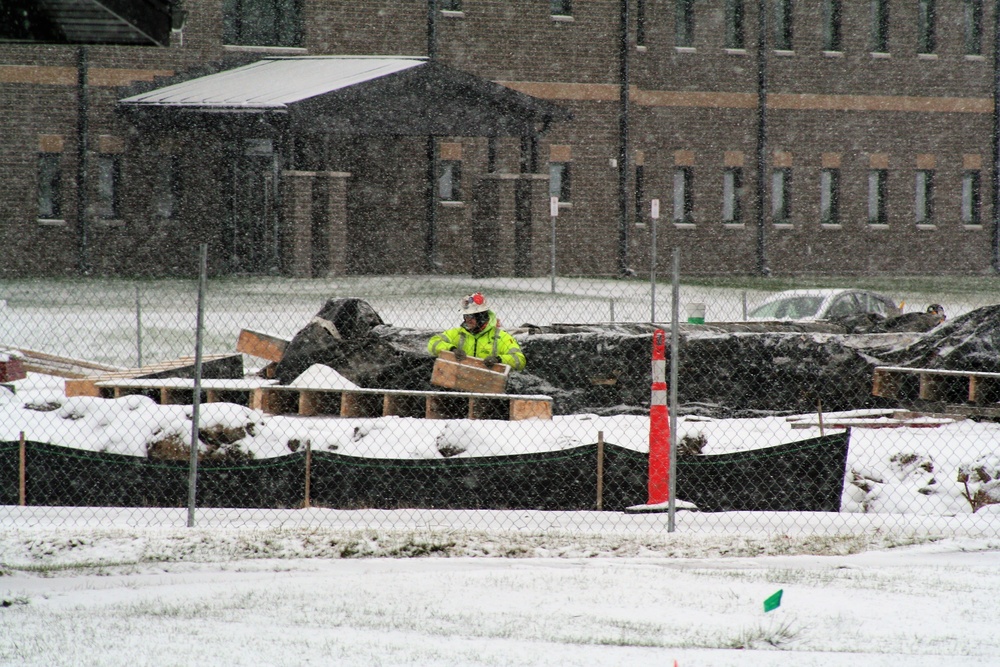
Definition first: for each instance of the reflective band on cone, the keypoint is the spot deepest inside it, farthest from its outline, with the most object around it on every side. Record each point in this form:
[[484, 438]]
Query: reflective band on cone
[[659, 426]]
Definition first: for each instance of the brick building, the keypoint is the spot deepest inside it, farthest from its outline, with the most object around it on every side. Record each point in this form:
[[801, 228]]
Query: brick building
[[860, 140]]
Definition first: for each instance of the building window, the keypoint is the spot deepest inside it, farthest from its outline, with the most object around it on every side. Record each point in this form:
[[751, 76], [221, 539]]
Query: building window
[[831, 25], [640, 22], [450, 5], [640, 193], [783, 25], [829, 196], [878, 180], [973, 27], [732, 193], [971, 202], [926, 28], [49, 186], [450, 180], [781, 203], [561, 7], [880, 26], [108, 179], [684, 23], [735, 33], [559, 180], [262, 22], [683, 205], [167, 186], [924, 201]]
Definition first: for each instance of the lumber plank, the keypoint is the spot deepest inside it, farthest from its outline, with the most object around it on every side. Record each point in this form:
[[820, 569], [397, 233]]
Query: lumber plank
[[522, 409], [261, 345], [470, 374]]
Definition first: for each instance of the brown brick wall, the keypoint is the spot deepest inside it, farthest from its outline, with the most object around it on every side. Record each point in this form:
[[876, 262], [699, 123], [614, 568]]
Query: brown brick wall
[[702, 101]]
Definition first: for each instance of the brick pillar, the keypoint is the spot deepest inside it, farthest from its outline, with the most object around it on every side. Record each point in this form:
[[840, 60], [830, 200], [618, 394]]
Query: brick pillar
[[296, 216], [330, 224]]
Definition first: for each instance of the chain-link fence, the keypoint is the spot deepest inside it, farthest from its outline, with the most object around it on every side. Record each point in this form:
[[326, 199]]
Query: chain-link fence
[[320, 404]]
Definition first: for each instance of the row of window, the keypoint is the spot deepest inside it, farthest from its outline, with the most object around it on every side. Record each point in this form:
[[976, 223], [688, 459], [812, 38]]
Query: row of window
[[449, 189], [107, 203], [782, 20], [278, 23], [166, 191], [830, 196], [783, 33]]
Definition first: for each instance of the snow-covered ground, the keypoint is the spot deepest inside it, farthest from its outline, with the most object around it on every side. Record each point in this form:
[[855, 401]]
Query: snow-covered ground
[[287, 596], [906, 574], [912, 469]]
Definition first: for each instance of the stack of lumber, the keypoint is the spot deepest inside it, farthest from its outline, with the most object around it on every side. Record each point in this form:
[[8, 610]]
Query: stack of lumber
[[64, 367], [213, 366]]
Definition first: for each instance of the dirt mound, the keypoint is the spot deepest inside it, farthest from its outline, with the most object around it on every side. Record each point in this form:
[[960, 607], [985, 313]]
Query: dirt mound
[[725, 369]]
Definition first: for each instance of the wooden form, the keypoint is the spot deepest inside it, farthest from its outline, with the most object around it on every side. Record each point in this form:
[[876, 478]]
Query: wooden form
[[964, 392], [180, 391], [370, 403], [470, 374], [266, 396], [214, 366]]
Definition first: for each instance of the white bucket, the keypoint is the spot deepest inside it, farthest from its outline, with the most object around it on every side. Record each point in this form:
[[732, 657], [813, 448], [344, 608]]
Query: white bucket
[[696, 313]]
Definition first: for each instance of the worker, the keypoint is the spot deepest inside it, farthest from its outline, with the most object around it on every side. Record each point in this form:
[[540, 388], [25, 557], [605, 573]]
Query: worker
[[479, 336], [937, 310]]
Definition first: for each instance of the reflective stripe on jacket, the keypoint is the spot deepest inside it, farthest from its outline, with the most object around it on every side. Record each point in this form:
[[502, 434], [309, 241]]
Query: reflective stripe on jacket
[[491, 341]]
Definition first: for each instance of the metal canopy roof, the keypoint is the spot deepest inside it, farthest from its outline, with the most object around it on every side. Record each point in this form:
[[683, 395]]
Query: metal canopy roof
[[129, 22], [360, 95], [272, 83]]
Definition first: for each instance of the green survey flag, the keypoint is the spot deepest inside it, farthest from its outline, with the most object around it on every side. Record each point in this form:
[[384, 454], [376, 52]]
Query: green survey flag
[[773, 602]]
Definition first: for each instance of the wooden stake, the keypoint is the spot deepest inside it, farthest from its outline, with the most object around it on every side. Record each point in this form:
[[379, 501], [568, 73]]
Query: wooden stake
[[22, 495], [819, 411], [600, 470], [306, 500]]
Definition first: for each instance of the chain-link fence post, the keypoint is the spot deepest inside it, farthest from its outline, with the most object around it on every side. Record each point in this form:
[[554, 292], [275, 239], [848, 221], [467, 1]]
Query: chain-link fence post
[[674, 351], [196, 396]]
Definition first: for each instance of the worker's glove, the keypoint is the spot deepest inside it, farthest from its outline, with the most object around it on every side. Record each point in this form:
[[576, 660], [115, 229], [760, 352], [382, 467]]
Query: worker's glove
[[491, 361], [460, 354]]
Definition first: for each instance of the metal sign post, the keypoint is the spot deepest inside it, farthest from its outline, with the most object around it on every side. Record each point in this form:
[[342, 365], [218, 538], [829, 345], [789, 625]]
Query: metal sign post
[[554, 213]]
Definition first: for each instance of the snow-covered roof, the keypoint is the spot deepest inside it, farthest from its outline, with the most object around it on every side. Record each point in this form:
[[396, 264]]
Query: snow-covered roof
[[274, 83], [360, 95]]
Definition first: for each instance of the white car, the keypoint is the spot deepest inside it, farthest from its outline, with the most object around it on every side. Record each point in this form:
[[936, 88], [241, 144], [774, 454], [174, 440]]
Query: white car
[[823, 304]]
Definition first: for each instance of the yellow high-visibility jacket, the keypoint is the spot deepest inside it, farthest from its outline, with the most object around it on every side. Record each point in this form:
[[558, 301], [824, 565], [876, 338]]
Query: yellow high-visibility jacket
[[491, 341]]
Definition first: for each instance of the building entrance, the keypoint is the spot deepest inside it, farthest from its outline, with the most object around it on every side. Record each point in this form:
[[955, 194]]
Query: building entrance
[[253, 237]]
